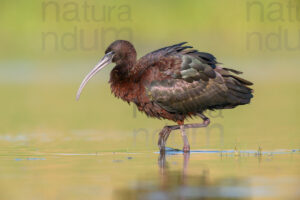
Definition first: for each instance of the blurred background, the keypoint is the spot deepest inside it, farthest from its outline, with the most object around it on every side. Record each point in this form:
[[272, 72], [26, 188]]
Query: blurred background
[[47, 47]]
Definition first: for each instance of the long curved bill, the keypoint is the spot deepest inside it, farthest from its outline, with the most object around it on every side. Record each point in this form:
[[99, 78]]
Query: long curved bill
[[101, 64]]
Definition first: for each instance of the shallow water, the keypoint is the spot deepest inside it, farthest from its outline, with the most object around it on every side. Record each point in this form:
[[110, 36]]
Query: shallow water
[[52, 147], [201, 174]]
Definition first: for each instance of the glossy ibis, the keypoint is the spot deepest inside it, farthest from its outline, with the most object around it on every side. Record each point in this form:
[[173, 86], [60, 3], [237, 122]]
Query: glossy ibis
[[174, 83]]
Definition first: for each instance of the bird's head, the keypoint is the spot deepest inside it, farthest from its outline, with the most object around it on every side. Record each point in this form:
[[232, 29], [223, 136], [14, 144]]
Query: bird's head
[[120, 52]]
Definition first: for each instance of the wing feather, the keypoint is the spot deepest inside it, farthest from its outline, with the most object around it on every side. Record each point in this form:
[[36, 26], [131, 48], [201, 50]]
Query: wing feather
[[193, 82]]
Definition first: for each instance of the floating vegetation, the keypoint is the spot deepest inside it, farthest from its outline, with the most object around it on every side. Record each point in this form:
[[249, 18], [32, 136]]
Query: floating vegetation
[[236, 151], [259, 151]]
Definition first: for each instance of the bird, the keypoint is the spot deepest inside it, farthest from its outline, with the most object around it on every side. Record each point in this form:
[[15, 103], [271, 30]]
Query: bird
[[176, 83]]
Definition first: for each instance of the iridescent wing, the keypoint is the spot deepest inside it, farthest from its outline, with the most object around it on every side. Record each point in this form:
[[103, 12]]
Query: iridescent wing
[[193, 83]]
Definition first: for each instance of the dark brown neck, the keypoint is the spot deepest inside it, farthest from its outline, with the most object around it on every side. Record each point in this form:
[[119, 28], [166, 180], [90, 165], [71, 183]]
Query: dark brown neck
[[122, 83]]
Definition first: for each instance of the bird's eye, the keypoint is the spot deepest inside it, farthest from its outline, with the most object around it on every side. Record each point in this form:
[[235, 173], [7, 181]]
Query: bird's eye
[[107, 50]]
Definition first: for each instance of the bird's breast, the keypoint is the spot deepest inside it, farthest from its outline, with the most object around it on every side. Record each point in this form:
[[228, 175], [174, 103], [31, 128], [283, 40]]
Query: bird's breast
[[129, 91]]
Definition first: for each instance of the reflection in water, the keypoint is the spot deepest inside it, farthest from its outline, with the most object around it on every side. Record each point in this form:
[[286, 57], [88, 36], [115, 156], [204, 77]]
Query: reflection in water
[[169, 179], [181, 185]]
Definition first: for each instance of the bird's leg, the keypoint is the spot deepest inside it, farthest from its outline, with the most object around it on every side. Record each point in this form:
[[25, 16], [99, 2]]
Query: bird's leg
[[164, 134], [205, 123], [161, 140], [186, 145]]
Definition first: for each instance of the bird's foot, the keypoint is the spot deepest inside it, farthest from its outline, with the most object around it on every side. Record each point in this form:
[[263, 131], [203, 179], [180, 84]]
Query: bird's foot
[[161, 144], [162, 148], [163, 136], [186, 148]]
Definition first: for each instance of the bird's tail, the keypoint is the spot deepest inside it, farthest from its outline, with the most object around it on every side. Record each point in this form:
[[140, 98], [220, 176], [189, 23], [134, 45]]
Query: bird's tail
[[239, 92]]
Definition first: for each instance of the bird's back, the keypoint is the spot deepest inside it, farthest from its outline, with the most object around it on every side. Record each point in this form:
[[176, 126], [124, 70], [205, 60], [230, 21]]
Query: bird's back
[[183, 81]]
